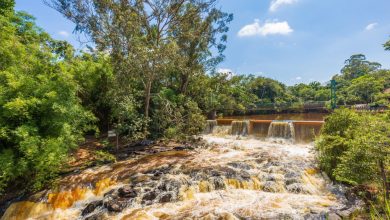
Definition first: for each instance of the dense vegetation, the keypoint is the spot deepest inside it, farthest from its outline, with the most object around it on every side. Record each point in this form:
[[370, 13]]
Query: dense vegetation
[[151, 74], [354, 149]]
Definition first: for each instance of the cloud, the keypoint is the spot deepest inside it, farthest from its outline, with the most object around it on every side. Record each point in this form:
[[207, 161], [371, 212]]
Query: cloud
[[371, 26], [227, 72], [298, 78], [275, 4], [269, 28], [224, 70], [64, 33]]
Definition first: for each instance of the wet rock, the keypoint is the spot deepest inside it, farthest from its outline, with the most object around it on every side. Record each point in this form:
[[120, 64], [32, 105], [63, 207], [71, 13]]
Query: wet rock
[[245, 175], [116, 205], [149, 196], [290, 181], [218, 183], [229, 173], [91, 207], [127, 192], [296, 188], [159, 171], [112, 193], [166, 197], [181, 148], [289, 175], [240, 165], [333, 216], [98, 216], [169, 185], [215, 173], [271, 186]]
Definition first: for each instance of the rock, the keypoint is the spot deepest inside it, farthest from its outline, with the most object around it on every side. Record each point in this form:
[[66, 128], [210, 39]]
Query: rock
[[127, 192], [98, 216], [166, 197], [271, 186], [149, 196], [240, 165], [333, 216], [116, 205], [345, 214], [146, 143], [91, 207], [290, 181], [169, 185], [296, 188], [218, 183], [245, 175]]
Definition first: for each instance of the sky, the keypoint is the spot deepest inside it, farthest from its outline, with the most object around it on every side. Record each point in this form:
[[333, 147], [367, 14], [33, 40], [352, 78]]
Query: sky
[[292, 41]]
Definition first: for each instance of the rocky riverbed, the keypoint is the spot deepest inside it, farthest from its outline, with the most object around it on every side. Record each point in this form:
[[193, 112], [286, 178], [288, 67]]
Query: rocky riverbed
[[222, 178]]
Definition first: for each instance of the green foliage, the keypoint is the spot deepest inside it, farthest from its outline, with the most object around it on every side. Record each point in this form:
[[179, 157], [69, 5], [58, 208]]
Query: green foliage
[[103, 157], [175, 116], [354, 148], [40, 115], [362, 82], [95, 78], [387, 45]]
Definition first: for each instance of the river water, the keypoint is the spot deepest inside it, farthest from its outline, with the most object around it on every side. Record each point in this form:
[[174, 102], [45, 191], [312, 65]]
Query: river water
[[226, 177]]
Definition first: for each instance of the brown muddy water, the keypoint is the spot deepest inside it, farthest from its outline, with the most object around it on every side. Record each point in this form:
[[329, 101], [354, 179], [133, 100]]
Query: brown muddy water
[[284, 116], [227, 177]]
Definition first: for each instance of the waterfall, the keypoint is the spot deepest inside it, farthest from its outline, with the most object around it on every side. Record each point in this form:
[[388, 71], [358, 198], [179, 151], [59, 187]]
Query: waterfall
[[240, 128], [259, 128], [306, 131], [281, 129], [210, 125]]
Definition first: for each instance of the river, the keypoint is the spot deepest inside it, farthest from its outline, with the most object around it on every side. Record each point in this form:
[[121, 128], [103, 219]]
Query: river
[[225, 177]]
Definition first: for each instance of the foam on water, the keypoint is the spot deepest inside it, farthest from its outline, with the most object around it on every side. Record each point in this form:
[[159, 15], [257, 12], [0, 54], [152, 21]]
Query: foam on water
[[233, 178]]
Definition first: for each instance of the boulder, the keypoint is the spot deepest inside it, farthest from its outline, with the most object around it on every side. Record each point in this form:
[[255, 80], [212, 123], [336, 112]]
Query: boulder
[[127, 192], [116, 205], [91, 207]]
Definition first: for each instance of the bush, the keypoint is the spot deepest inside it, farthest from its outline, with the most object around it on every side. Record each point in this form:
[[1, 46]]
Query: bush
[[40, 114], [355, 149]]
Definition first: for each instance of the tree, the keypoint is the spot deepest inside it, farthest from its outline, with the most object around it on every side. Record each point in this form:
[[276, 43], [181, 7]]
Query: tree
[[387, 45], [365, 88], [40, 114], [357, 65], [142, 35], [354, 148]]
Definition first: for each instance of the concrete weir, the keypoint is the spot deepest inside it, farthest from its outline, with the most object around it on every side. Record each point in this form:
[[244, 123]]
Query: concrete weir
[[297, 131]]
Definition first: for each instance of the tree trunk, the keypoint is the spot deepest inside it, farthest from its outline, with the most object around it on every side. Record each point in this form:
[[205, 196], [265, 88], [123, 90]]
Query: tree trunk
[[386, 184], [148, 87], [184, 83]]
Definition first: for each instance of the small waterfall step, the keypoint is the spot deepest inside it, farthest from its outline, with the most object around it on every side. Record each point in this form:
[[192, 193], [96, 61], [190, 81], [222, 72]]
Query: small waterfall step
[[281, 129]]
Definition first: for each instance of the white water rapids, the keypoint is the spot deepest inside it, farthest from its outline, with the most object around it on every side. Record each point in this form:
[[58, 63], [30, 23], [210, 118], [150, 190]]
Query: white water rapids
[[231, 178]]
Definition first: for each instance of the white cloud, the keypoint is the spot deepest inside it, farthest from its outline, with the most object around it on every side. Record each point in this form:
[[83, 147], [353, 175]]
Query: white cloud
[[64, 33], [226, 71], [269, 28], [371, 26], [275, 4], [298, 78]]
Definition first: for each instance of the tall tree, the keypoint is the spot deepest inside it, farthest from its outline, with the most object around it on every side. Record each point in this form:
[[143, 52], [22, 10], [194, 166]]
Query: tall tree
[[140, 34], [357, 65]]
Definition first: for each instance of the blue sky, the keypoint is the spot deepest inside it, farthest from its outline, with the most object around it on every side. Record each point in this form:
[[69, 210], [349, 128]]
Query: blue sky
[[292, 41]]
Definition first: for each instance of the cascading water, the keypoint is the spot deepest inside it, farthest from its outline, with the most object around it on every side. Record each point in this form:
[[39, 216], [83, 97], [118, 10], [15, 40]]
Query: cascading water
[[282, 129], [210, 125], [240, 128], [224, 178]]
